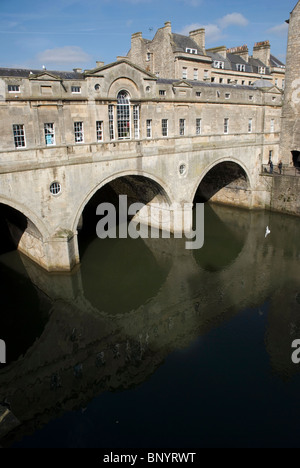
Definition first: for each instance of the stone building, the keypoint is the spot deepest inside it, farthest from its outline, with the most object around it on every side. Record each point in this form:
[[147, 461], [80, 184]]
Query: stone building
[[290, 126], [50, 109], [163, 142], [171, 55]]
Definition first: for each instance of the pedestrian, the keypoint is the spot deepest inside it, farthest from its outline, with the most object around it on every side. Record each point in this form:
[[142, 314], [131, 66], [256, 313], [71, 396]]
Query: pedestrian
[[271, 167], [280, 166]]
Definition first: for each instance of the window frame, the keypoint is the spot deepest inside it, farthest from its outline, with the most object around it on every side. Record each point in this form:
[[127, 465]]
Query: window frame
[[21, 137], [50, 133], [149, 128], [17, 90], [250, 125], [111, 121], [226, 126], [184, 73], [165, 128], [241, 67], [99, 131], [75, 87], [124, 115], [79, 132], [219, 64], [198, 126], [189, 50], [136, 121], [182, 127]]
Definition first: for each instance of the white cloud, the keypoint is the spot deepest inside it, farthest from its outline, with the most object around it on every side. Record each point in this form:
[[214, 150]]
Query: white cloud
[[233, 19], [190, 27], [279, 30], [67, 54], [215, 32], [212, 31]]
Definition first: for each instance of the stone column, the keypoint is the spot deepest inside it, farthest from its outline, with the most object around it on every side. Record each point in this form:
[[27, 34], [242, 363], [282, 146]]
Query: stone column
[[290, 129]]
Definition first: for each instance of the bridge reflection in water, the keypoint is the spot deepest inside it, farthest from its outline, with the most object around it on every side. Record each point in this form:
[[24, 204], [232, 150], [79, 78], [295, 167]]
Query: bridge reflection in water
[[111, 324]]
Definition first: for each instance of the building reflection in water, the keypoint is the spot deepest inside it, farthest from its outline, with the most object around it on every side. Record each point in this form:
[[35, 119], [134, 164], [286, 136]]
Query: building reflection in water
[[111, 324]]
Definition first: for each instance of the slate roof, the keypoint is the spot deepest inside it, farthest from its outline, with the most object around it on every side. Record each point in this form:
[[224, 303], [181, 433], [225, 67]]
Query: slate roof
[[181, 43], [220, 58], [237, 59], [275, 62], [203, 84], [26, 73], [251, 67], [256, 64], [231, 61]]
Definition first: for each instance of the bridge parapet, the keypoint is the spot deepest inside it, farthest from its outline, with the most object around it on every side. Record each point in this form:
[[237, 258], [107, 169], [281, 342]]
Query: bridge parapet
[[42, 157]]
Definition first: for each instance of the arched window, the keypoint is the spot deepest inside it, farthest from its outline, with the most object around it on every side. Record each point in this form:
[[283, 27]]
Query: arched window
[[123, 114]]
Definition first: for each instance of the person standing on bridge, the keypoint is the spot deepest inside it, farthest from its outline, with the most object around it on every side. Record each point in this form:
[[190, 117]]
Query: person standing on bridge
[[280, 166]]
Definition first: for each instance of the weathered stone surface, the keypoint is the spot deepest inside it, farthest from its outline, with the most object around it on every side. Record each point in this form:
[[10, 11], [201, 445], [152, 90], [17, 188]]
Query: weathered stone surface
[[8, 421], [148, 168], [290, 131]]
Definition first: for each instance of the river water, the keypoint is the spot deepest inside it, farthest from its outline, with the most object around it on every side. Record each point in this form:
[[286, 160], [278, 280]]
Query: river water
[[148, 344]]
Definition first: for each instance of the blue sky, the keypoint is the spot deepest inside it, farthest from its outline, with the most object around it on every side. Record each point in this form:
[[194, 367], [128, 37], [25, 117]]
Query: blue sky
[[64, 34]]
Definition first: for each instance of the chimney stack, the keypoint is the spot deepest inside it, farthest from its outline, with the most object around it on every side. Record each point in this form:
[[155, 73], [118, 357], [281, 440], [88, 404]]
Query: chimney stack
[[242, 51], [262, 52], [219, 50], [199, 37], [136, 36], [99, 64], [168, 27]]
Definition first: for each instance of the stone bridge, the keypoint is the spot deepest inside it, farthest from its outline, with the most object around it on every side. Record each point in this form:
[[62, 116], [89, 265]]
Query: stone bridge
[[213, 146], [168, 173]]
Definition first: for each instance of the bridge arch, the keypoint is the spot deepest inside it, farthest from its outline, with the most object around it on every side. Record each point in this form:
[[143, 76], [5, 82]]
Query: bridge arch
[[35, 222], [223, 181], [160, 189]]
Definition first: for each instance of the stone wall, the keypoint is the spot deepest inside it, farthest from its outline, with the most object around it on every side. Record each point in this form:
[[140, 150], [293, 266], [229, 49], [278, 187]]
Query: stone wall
[[285, 195], [290, 132], [176, 162]]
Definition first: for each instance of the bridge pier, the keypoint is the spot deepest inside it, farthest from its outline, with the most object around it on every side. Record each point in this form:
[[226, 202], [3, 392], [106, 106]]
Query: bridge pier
[[58, 253], [62, 251], [176, 218]]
